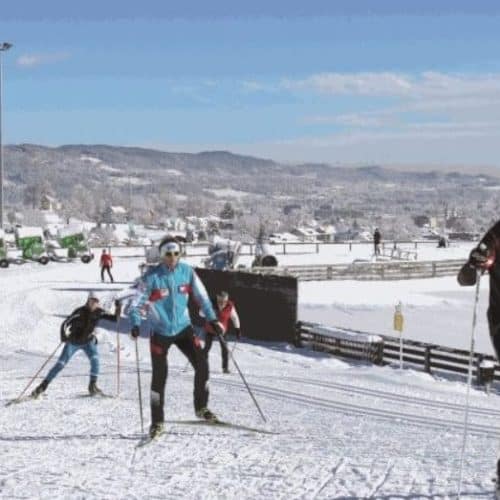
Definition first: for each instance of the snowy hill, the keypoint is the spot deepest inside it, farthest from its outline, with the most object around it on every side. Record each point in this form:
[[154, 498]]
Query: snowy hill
[[342, 429]]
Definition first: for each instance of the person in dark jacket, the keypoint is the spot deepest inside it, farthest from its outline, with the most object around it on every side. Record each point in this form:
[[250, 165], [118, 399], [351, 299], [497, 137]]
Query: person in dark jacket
[[106, 264], [77, 332], [377, 238], [226, 312], [482, 259]]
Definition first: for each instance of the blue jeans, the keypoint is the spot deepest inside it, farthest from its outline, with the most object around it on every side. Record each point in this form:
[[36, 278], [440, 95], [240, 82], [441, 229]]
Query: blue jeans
[[90, 349]]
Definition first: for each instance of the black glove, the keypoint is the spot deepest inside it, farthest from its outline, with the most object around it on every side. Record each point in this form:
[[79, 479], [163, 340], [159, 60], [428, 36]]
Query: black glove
[[135, 332], [237, 331], [118, 308], [217, 327], [481, 257]]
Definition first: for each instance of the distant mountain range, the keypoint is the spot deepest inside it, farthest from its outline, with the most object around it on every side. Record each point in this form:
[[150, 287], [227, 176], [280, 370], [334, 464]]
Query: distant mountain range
[[147, 170]]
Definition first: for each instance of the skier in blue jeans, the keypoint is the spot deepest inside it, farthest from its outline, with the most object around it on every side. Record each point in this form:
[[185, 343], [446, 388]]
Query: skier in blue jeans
[[77, 332]]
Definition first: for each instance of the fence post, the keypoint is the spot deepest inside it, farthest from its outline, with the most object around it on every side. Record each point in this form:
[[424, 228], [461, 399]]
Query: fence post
[[416, 245], [379, 354], [317, 247], [427, 360], [433, 269], [329, 273], [350, 246], [284, 248]]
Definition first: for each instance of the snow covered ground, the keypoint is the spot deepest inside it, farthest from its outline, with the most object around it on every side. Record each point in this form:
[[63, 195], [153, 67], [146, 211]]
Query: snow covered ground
[[343, 430]]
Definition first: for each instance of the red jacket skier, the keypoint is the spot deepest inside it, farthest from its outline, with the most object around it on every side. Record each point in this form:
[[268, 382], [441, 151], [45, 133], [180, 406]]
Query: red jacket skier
[[106, 264], [226, 312]]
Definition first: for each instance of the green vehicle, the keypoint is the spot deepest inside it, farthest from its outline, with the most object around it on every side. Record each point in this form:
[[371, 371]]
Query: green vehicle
[[76, 244], [4, 261], [31, 242]]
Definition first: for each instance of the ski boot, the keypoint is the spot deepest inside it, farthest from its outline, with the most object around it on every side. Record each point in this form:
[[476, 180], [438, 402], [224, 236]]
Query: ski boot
[[156, 429], [39, 390], [206, 414], [94, 390], [225, 370]]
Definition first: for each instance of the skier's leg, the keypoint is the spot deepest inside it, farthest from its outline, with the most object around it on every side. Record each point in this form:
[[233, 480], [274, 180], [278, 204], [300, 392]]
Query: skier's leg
[[102, 274], [159, 365], [92, 353], [494, 327], [66, 355], [198, 360], [224, 355], [108, 269], [208, 343]]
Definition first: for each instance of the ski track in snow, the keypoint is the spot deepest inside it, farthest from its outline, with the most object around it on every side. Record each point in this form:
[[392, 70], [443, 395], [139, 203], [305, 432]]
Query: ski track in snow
[[346, 430]]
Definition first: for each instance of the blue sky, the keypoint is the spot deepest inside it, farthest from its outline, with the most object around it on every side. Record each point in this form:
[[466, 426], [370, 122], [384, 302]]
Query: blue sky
[[339, 82]]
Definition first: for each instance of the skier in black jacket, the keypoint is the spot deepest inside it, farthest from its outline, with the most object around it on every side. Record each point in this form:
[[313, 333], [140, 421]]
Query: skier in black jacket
[[77, 331], [483, 258]]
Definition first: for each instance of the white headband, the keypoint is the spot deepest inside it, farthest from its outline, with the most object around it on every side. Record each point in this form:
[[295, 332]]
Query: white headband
[[170, 246]]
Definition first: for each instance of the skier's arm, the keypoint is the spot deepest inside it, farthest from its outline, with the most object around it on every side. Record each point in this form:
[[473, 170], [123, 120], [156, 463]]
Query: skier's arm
[[145, 288], [235, 319], [482, 257], [65, 330], [107, 316], [202, 298]]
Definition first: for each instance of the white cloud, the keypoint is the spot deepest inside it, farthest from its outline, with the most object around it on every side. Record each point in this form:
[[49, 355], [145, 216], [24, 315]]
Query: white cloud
[[250, 86], [31, 60], [426, 85]]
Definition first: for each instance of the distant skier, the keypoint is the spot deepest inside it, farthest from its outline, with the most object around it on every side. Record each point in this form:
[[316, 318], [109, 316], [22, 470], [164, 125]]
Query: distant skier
[[377, 238], [77, 332], [226, 311], [106, 264], [165, 290]]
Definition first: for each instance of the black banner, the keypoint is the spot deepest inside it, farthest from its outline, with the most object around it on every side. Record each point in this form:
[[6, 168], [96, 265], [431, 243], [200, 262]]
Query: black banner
[[266, 304]]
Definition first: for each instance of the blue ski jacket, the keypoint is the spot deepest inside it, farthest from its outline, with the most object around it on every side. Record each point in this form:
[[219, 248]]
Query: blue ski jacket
[[164, 295]]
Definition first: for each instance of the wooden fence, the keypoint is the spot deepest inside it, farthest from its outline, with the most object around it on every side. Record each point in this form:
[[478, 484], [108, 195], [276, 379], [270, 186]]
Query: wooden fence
[[384, 349], [324, 339], [393, 270]]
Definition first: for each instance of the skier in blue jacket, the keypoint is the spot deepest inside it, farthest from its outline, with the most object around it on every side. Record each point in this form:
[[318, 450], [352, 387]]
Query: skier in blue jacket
[[165, 291]]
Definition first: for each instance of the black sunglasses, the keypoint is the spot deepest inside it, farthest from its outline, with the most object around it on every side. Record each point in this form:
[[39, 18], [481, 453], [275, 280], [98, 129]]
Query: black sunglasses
[[172, 254]]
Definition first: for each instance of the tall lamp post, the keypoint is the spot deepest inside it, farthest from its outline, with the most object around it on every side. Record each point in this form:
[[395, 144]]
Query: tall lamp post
[[3, 47]]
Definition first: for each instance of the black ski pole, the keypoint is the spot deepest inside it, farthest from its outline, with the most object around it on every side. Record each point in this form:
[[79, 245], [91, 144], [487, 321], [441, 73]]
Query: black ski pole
[[36, 374], [221, 339], [139, 384]]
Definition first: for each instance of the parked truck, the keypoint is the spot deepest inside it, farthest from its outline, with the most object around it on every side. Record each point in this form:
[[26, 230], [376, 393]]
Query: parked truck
[[30, 241], [4, 260], [71, 243]]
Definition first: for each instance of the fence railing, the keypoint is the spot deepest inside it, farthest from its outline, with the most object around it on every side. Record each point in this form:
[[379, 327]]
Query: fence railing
[[384, 349], [344, 344], [291, 247], [393, 270]]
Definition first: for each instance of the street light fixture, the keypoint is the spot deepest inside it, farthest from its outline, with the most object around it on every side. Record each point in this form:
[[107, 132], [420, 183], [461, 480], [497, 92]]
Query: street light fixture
[[3, 47]]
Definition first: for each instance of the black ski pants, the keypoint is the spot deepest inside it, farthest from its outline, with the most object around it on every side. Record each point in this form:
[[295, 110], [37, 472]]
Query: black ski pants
[[108, 269], [160, 345], [223, 349]]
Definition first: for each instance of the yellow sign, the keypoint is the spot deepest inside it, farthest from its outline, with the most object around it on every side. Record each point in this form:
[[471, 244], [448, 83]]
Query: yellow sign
[[398, 319]]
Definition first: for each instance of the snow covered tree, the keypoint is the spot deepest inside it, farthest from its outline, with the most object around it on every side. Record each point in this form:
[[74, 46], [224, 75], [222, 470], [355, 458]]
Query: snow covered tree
[[227, 211]]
